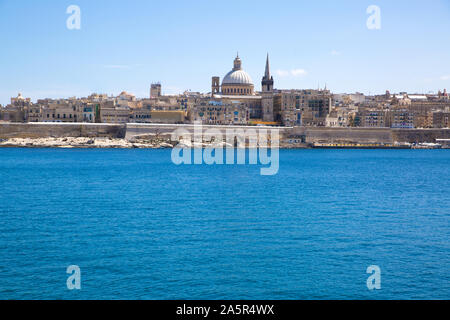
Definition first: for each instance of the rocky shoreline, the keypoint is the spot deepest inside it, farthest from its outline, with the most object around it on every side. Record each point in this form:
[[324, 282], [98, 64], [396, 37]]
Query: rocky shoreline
[[104, 142], [144, 142], [161, 142], [83, 142]]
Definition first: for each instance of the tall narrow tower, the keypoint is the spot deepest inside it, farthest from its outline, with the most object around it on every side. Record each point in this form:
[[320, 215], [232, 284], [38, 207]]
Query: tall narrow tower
[[267, 94], [155, 90], [215, 85]]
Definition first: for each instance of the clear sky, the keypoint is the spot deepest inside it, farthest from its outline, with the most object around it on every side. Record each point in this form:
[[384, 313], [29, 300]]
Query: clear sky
[[127, 45]]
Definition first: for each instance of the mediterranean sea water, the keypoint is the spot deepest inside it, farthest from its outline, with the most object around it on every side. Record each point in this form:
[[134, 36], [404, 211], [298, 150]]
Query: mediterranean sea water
[[140, 227]]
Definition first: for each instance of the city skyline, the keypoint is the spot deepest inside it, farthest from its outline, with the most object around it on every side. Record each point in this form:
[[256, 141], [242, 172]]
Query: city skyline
[[128, 46]]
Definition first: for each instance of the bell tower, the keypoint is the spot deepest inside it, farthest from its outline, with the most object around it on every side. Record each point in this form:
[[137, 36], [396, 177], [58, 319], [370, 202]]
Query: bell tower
[[215, 85], [267, 94]]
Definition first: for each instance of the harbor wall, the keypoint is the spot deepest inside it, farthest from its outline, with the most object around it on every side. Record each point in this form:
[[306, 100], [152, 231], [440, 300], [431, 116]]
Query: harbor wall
[[166, 130], [420, 135], [311, 134], [57, 130], [307, 134], [344, 135], [369, 135]]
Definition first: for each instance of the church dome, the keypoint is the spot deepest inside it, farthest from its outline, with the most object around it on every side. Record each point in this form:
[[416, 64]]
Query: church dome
[[237, 77]]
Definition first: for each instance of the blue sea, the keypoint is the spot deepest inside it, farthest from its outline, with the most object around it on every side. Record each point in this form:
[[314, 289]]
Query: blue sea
[[140, 227]]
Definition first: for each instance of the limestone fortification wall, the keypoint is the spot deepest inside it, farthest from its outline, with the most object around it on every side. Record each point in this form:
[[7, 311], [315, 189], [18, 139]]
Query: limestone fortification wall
[[316, 134], [369, 135], [134, 129], [57, 130], [346, 135], [310, 134], [420, 135]]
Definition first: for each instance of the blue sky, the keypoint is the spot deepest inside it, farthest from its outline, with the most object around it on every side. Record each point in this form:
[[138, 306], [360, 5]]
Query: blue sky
[[127, 45]]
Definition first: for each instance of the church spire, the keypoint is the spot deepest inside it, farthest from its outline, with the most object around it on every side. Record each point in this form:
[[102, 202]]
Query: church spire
[[267, 94], [267, 80], [267, 73]]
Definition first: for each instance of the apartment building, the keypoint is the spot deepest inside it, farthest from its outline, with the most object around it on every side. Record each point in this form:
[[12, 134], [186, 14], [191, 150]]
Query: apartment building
[[218, 112], [305, 107]]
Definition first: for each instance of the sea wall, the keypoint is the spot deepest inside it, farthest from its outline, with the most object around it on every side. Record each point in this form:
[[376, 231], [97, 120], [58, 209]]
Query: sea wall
[[166, 130], [306, 134], [57, 130], [368, 135], [420, 135], [311, 134], [346, 135]]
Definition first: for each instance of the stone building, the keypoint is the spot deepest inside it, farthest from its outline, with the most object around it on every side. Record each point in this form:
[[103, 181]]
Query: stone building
[[20, 101], [114, 114], [155, 90], [141, 115], [147, 115], [19, 110], [163, 103], [338, 117], [400, 118], [423, 109], [13, 114], [173, 117], [305, 107], [373, 118], [439, 119], [88, 112], [220, 113], [443, 96], [33, 113], [66, 112]]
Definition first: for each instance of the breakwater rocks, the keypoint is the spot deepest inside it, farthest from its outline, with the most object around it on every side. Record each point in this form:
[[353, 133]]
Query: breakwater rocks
[[143, 142]]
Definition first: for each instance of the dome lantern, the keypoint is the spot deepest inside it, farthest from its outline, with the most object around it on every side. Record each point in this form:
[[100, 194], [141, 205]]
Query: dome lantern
[[237, 63]]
